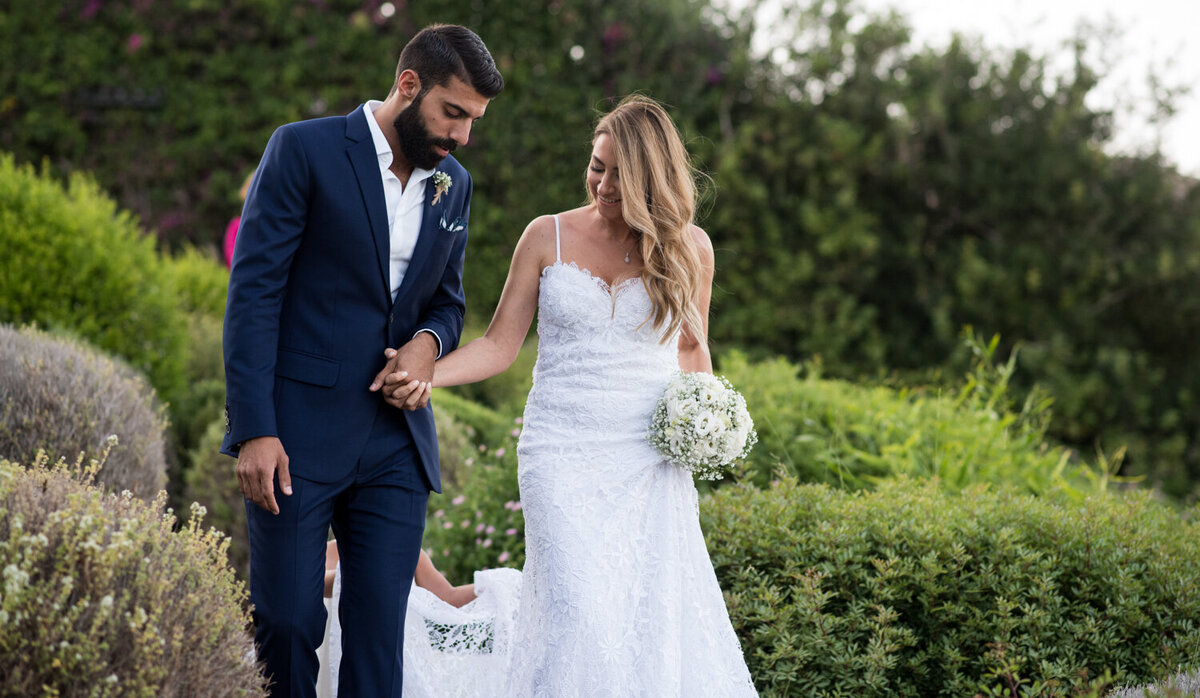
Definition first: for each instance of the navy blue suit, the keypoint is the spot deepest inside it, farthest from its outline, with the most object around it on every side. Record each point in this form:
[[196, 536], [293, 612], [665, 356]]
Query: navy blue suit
[[308, 317]]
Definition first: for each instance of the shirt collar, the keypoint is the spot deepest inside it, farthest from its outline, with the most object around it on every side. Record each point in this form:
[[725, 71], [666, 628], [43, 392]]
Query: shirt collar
[[382, 148]]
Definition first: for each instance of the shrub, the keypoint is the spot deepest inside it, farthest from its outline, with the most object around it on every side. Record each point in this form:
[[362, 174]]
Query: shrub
[[853, 436], [211, 482], [914, 591], [201, 281], [65, 397], [477, 523], [103, 597], [204, 400], [1178, 686], [75, 262]]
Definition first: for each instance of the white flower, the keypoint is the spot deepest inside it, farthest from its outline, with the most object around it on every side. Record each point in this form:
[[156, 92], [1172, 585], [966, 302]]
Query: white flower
[[441, 184]]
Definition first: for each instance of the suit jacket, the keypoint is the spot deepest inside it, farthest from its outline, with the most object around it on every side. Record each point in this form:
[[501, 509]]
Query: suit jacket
[[309, 311]]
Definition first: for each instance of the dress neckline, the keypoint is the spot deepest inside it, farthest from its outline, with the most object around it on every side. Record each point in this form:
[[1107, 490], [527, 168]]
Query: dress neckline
[[610, 289]]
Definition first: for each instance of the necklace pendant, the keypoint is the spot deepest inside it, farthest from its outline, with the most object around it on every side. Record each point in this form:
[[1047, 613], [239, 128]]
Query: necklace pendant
[[627, 258]]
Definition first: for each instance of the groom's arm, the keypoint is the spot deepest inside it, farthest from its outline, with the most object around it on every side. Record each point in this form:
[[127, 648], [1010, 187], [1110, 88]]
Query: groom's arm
[[443, 315], [439, 329], [270, 233]]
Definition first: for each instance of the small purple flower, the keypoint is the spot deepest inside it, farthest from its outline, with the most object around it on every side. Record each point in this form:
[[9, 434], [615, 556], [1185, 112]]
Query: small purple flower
[[479, 528], [134, 42], [509, 505], [511, 532], [469, 461], [458, 500], [503, 557], [90, 9], [515, 432], [519, 420], [487, 543], [501, 451], [448, 525], [490, 530], [439, 513]]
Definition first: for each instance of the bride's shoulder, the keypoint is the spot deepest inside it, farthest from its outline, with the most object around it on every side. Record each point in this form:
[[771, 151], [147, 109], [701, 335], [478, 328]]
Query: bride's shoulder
[[536, 248], [703, 243]]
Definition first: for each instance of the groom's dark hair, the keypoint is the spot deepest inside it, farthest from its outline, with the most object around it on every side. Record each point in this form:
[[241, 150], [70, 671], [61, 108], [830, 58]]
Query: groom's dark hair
[[440, 51]]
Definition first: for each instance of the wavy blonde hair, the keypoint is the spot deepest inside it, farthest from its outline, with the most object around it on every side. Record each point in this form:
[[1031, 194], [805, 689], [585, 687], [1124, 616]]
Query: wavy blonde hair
[[658, 193]]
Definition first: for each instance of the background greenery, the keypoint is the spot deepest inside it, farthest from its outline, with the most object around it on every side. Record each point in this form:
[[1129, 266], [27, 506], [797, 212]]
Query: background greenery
[[872, 196], [872, 199]]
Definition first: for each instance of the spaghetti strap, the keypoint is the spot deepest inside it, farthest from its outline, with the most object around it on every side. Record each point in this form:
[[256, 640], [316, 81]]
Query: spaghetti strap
[[557, 243]]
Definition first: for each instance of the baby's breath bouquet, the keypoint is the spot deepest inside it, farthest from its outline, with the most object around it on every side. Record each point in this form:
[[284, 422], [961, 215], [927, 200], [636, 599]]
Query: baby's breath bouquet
[[701, 425]]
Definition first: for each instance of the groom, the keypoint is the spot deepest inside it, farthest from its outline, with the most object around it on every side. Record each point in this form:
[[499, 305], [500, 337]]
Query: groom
[[351, 243]]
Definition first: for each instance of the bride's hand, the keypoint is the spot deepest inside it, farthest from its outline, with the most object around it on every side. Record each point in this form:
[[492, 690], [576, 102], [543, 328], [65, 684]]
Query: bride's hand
[[410, 395], [406, 379]]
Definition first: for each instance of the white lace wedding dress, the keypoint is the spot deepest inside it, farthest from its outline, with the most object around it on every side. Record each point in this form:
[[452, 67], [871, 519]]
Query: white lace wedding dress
[[618, 597]]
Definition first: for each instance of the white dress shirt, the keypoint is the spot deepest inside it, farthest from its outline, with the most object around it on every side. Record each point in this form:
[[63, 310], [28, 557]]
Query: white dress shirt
[[405, 205]]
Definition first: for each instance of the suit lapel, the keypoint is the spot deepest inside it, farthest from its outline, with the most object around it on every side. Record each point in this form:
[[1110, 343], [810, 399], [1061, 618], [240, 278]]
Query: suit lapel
[[426, 238], [365, 162]]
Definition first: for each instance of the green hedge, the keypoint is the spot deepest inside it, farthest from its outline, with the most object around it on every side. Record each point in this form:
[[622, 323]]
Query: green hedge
[[75, 262], [854, 436], [913, 591], [102, 596]]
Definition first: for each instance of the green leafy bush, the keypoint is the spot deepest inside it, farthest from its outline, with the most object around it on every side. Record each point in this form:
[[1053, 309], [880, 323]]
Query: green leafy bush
[[854, 436], [200, 281], [74, 262], [103, 597], [914, 591], [477, 522], [204, 400], [65, 397], [201, 284]]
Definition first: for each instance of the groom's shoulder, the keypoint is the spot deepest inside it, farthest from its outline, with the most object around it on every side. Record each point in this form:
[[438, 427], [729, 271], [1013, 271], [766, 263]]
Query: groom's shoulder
[[325, 125]]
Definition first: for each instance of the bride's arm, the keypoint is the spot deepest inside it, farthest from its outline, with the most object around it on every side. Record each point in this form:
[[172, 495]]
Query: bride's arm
[[693, 346], [498, 347]]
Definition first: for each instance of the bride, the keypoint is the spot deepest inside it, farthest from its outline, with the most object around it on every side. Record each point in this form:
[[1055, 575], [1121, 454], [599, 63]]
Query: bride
[[618, 596]]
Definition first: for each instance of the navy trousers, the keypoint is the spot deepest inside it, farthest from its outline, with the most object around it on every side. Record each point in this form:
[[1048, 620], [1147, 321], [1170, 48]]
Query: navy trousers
[[378, 517]]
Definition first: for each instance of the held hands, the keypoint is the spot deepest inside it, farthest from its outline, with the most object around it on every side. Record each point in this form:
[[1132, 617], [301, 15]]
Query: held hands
[[406, 381], [258, 461]]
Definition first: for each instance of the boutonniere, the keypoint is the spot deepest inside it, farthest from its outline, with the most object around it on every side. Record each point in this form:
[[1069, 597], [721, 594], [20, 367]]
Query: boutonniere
[[449, 227], [441, 185]]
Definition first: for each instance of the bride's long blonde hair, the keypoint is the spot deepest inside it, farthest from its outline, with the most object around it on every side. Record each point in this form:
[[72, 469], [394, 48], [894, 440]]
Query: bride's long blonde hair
[[658, 194]]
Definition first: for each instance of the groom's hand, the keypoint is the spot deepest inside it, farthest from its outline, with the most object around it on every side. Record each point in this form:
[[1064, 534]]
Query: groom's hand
[[258, 461], [407, 379]]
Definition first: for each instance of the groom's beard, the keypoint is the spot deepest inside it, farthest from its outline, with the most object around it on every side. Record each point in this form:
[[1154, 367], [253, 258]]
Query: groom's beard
[[415, 141]]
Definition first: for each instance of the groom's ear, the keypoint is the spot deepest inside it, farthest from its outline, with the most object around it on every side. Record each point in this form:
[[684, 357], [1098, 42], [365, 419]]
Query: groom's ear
[[408, 84]]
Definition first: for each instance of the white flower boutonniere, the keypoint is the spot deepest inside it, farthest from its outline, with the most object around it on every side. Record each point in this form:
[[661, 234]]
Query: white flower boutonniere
[[441, 185]]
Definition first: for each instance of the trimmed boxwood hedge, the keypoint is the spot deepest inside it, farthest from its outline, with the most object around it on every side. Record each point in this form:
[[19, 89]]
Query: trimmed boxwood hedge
[[911, 590]]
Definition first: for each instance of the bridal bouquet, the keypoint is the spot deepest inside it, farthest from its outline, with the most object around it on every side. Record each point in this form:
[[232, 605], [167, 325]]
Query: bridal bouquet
[[701, 425]]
